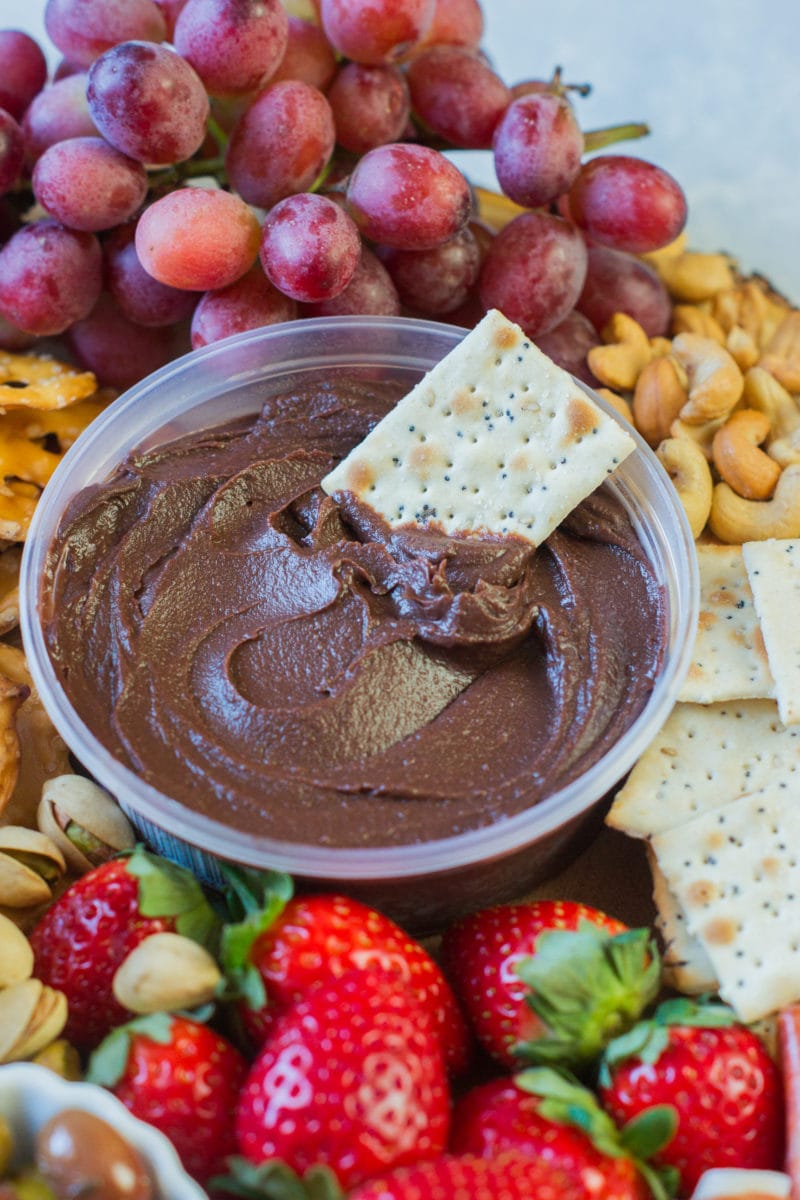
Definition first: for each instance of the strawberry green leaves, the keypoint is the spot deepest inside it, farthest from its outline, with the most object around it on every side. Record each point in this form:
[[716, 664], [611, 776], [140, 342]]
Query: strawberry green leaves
[[588, 987]]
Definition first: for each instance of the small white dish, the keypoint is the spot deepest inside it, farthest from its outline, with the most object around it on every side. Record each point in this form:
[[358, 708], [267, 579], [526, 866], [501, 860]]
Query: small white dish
[[30, 1095]]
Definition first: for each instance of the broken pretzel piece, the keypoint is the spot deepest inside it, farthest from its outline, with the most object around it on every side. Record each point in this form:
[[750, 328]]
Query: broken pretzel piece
[[41, 382]]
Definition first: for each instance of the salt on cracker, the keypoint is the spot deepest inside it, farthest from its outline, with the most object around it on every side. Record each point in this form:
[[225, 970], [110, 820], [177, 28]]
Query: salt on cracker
[[735, 872], [703, 756], [495, 438], [773, 567], [684, 962], [729, 660]]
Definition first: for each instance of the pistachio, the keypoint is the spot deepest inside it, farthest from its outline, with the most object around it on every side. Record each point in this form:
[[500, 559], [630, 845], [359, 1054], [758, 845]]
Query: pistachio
[[84, 821], [29, 864], [31, 1016], [16, 954], [166, 972]]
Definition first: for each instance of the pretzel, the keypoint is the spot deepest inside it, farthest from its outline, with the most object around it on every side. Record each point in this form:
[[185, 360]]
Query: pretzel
[[41, 382]]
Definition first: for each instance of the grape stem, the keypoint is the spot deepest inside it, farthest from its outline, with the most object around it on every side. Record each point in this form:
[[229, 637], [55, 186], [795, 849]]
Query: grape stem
[[559, 88], [218, 133], [596, 139]]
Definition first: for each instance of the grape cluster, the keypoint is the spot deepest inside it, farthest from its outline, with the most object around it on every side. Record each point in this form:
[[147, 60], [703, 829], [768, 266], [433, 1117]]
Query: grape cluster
[[196, 168]]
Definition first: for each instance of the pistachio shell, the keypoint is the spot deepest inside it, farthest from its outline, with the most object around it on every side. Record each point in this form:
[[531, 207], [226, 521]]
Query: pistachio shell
[[75, 799], [33, 848], [166, 972], [17, 1005], [6, 1147], [20, 887], [16, 954], [62, 1058], [47, 1022]]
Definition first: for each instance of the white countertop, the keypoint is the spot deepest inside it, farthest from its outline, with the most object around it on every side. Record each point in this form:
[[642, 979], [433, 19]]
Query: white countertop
[[718, 81]]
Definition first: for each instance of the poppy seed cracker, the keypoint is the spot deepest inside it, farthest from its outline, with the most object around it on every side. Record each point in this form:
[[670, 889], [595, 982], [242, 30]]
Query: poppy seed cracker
[[494, 439]]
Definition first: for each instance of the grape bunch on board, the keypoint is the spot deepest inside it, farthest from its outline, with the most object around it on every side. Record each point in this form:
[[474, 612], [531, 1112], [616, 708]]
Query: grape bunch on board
[[197, 168]]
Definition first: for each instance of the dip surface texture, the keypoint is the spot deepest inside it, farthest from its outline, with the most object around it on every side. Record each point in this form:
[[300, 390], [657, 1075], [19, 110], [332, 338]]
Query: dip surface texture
[[278, 662]]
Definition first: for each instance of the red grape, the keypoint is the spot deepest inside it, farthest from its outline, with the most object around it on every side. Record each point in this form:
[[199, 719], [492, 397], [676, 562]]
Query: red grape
[[569, 343], [281, 143], [197, 238], [439, 280], [84, 29], [119, 352], [375, 31], [627, 203], [534, 271], [309, 247], [49, 277], [370, 291], [148, 102], [309, 55], [89, 185], [23, 71], [618, 282], [234, 45], [140, 297], [249, 303], [407, 196], [60, 112], [538, 147], [12, 151], [370, 106], [457, 96], [456, 23]]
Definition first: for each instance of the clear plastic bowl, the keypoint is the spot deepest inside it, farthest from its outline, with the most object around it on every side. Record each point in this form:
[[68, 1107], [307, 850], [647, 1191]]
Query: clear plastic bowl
[[423, 885], [30, 1095]]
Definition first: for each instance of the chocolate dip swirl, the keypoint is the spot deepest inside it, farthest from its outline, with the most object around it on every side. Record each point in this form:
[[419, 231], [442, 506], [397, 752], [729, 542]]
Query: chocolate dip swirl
[[289, 666]]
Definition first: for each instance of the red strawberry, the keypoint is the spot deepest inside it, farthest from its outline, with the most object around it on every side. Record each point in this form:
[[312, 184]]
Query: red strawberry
[[510, 1177], [716, 1074], [554, 1120], [351, 1077], [180, 1076], [550, 980], [82, 938], [284, 947]]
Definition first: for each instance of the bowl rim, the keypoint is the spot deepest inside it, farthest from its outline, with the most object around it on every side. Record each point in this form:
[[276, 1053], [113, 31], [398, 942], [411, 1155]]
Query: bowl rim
[[382, 863], [44, 1088]]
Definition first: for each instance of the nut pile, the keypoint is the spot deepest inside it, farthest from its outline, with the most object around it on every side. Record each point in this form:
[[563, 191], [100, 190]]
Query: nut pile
[[719, 400]]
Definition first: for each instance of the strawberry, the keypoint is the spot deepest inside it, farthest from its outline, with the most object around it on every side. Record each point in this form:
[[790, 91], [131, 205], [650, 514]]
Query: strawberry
[[466, 1177], [284, 946], [549, 980], [551, 1118], [352, 1078], [180, 1076], [718, 1077], [82, 938]]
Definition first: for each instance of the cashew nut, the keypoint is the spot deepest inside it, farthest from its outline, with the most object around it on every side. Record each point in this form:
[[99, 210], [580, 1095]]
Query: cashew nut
[[735, 520], [618, 363], [659, 396], [786, 450], [782, 354], [715, 381], [742, 348], [694, 277], [735, 450], [617, 402], [686, 465], [763, 392], [687, 318], [701, 435], [748, 306]]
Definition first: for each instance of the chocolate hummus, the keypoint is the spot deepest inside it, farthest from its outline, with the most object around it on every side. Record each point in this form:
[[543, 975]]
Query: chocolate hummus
[[271, 659]]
